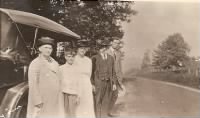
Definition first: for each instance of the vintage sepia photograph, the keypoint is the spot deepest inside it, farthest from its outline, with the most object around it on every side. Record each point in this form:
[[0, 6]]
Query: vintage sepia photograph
[[99, 58]]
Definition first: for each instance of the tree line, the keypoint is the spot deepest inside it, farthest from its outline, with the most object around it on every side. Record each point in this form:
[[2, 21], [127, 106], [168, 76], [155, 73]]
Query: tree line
[[171, 54]]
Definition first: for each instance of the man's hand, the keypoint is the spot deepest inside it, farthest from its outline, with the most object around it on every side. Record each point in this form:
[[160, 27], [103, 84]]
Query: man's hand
[[77, 100], [114, 87]]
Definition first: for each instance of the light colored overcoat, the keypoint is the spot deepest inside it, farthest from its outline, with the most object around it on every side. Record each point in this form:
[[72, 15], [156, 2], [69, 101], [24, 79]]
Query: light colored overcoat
[[44, 87]]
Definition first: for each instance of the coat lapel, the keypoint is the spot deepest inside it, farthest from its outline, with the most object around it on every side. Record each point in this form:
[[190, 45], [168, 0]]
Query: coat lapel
[[51, 66], [109, 51]]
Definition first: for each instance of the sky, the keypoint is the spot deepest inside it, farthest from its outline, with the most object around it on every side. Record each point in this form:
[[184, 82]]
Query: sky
[[154, 22]]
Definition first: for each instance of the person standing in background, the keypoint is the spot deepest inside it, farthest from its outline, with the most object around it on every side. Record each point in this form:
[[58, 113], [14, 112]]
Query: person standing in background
[[116, 54]]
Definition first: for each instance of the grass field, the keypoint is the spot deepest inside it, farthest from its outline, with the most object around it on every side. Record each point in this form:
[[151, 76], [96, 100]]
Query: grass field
[[178, 78]]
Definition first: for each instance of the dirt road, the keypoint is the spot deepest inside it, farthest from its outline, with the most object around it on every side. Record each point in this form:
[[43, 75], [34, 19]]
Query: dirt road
[[150, 98]]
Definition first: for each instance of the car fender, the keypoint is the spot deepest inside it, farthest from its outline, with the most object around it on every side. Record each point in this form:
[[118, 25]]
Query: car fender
[[9, 108]]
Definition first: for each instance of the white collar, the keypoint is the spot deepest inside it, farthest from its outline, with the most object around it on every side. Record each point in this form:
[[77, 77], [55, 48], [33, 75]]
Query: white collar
[[79, 57], [48, 59], [68, 64], [104, 54], [112, 49]]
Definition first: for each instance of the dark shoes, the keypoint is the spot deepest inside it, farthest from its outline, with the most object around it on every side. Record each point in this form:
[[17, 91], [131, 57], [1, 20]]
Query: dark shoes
[[113, 115]]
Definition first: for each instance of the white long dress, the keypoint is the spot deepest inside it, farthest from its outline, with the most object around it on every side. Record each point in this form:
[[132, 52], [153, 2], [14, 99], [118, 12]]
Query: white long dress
[[86, 106]]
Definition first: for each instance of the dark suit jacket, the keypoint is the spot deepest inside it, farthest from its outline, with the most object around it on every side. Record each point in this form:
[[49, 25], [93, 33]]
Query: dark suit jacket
[[118, 65], [96, 61]]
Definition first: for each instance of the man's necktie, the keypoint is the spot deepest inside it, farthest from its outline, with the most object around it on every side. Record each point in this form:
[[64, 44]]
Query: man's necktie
[[114, 52], [104, 56]]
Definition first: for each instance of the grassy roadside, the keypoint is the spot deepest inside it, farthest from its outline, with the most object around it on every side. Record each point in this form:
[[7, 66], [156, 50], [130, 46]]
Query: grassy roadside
[[178, 78]]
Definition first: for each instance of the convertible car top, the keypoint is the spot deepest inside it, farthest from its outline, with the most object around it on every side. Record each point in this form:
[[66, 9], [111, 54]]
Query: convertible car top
[[38, 21]]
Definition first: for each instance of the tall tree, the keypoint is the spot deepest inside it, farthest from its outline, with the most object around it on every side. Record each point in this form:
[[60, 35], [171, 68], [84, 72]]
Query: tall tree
[[97, 20], [146, 62], [171, 52]]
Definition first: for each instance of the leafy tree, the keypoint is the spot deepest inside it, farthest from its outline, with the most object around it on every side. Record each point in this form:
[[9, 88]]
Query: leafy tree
[[172, 52], [97, 20], [22, 5], [146, 62]]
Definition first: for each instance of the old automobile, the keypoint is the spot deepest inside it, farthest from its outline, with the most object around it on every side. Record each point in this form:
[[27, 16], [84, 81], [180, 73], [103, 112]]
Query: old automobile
[[18, 40]]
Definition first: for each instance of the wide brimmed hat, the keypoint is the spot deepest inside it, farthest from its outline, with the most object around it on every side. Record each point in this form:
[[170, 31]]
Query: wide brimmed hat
[[45, 40], [83, 43]]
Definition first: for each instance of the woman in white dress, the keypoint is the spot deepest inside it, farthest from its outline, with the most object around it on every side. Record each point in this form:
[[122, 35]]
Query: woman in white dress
[[84, 64]]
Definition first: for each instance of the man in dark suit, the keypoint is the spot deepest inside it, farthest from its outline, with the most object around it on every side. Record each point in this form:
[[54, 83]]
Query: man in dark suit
[[103, 80], [116, 54]]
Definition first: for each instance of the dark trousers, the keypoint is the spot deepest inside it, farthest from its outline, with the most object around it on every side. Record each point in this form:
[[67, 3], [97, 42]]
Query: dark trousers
[[102, 98], [114, 96]]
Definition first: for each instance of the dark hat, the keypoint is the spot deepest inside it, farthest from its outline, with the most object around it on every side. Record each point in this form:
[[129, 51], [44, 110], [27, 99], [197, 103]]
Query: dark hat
[[103, 43], [83, 43], [45, 40], [115, 38], [70, 51]]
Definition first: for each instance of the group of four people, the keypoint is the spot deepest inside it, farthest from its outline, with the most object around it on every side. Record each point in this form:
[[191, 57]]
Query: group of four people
[[82, 87]]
